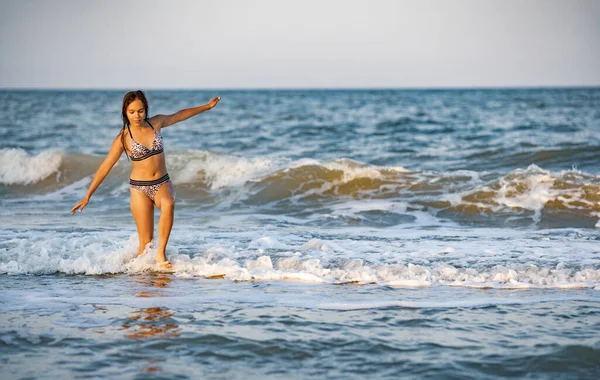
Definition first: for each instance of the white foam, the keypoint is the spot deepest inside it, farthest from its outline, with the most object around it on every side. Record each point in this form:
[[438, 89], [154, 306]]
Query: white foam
[[217, 170], [79, 255], [350, 271], [413, 263], [267, 242], [17, 167], [531, 189], [313, 244], [350, 169], [539, 189]]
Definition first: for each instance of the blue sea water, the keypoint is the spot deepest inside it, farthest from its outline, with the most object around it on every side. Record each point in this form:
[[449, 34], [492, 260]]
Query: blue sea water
[[331, 234]]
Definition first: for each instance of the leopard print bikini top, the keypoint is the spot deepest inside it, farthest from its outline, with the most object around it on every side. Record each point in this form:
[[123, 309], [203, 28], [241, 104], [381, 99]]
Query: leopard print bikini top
[[140, 152]]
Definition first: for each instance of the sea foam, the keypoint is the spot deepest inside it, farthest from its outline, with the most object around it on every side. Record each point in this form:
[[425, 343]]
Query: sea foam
[[17, 167]]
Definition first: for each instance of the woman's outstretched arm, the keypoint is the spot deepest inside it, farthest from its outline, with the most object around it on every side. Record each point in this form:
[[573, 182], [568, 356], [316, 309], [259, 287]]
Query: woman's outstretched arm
[[112, 157], [163, 121]]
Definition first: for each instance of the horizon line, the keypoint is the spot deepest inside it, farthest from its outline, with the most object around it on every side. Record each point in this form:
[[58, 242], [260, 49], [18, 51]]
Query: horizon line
[[375, 88]]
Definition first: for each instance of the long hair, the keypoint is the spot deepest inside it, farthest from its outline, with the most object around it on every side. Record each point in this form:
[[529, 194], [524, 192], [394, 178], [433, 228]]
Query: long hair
[[130, 97]]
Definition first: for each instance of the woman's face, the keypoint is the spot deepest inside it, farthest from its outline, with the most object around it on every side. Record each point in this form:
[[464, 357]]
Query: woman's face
[[135, 112]]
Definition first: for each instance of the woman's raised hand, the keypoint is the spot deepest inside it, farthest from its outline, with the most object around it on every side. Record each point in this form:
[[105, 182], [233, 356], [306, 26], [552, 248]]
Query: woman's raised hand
[[80, 205], [213, 102]]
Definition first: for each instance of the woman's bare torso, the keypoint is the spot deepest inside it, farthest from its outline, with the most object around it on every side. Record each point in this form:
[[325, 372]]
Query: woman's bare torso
[[151, 168]]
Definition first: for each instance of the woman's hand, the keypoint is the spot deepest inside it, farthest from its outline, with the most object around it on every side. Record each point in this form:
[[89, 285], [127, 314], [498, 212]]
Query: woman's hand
[[80, 205], [213, 102]]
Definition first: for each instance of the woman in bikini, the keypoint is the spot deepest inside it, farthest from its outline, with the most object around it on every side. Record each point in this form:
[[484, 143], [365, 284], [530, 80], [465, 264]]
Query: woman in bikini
[[149, 182]]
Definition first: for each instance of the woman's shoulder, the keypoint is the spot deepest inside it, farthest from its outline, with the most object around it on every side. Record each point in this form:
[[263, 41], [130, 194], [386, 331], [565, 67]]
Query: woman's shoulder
[[156, 121], [123, 138], [123, 134]]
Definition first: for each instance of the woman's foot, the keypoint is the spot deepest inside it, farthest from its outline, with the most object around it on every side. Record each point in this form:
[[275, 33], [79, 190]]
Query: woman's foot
[[165, 267], [164, 263]]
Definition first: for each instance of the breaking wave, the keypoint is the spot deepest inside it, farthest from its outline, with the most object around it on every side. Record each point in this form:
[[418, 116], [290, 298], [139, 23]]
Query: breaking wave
[[521, 197]]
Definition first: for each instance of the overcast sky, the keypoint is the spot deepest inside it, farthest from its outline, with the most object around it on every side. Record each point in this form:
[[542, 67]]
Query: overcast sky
[[299, 44]]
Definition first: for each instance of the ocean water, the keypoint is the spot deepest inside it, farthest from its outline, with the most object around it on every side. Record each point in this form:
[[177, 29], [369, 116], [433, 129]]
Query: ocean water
[[331, 234]]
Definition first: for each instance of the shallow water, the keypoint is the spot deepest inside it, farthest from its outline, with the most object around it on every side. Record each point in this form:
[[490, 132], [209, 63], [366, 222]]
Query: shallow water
[[132, 326], [317, 233]]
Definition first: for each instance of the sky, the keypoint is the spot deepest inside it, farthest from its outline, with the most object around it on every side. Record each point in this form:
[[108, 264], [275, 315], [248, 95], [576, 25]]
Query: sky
[[255, 44]]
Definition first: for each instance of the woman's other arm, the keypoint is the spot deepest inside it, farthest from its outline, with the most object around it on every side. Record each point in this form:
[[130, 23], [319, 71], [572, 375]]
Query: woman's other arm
[[163, 121], [112, 157]]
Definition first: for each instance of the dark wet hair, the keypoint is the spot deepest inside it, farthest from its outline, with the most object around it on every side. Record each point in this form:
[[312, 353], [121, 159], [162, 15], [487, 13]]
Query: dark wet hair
[[129, 98]]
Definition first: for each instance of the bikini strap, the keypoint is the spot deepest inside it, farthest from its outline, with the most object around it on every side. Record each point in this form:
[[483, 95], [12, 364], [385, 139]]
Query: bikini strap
[[130, 135], [148, 121]]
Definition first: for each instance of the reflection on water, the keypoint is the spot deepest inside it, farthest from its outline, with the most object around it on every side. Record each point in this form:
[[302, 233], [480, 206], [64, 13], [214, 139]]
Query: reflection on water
[[154, 280], [152, 322]]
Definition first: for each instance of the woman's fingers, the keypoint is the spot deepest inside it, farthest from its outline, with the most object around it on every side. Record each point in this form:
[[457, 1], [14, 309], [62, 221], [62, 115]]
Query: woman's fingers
[[79, 206], [213, 102], [75, 208]]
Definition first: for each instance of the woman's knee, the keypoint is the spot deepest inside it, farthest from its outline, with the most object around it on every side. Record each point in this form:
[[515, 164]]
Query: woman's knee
[[167, 204]]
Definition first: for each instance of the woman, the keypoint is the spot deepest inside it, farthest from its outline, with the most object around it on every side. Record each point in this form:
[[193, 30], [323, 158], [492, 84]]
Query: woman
[[149, 182]]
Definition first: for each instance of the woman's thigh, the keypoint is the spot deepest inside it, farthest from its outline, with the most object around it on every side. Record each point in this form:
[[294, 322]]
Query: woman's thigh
[[165, 196], [142, 209]]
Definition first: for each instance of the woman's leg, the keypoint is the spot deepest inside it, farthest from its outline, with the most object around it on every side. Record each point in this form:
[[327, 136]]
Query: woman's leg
[[142, 210], [165, 201]]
